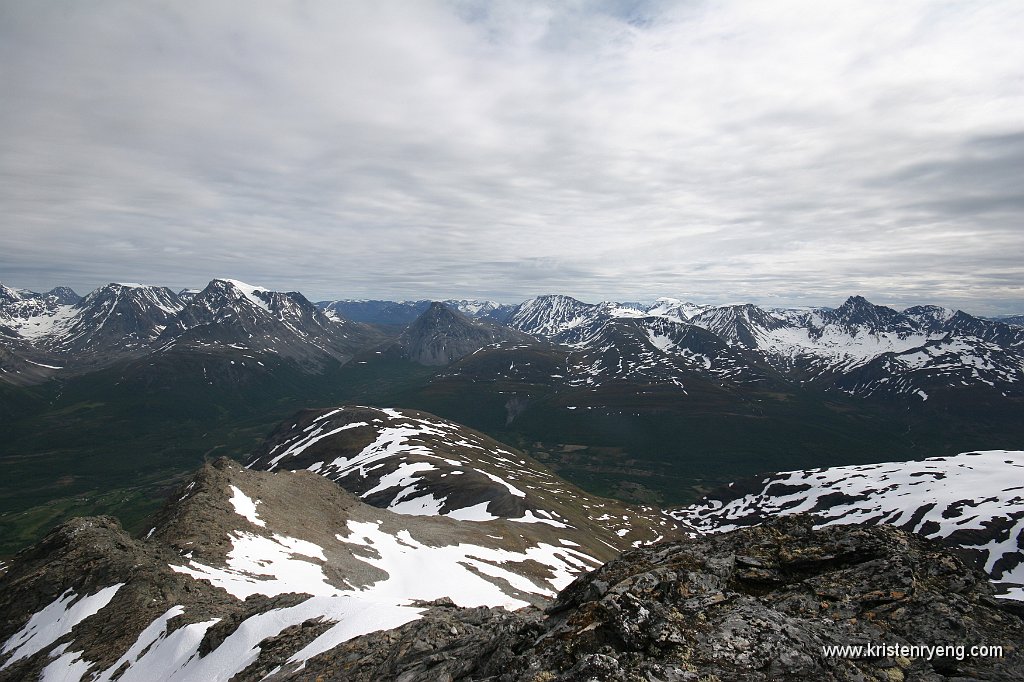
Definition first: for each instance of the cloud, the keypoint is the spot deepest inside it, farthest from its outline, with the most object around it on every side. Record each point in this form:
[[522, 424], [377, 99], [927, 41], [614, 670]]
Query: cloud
[[728, 151]]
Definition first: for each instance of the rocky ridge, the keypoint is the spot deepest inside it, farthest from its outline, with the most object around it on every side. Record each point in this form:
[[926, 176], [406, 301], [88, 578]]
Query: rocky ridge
[[283, 574], [418, 464], [754, 604], [973, 501], [247, 572]]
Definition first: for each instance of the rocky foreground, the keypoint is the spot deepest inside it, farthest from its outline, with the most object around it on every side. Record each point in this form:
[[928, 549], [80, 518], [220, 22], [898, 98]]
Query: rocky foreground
[[752, 604], [376, 544]]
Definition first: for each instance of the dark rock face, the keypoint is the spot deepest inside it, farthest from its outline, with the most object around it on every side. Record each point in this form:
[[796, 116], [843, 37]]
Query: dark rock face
[[87, 557], [739, 323], [857, 311], [441, 335], [119, 318], [64, 295], [754, 604]]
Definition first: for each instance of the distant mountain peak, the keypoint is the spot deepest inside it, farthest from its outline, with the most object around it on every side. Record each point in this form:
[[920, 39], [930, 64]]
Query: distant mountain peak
[[857, 311], [442, 335], [64, 295]]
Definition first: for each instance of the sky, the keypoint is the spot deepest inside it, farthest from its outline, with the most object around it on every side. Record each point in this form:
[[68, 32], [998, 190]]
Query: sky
[[788, 152]]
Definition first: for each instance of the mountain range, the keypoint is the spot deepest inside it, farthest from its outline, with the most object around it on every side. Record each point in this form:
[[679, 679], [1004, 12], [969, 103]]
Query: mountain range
[[128, 389], [858, 348]]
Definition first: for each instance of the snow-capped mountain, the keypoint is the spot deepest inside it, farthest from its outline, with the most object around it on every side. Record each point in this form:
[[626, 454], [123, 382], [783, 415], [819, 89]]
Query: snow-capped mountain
[[20, 304], [186, 295], [660, 350], [564, 319], [128, 321], [283, 574], [233, 314], [974, 501], [418, 464], [674, 309], [30, 315], [559, 318], [481, 310], [249, 572], [117, 317], [114, 322], [859, 348]]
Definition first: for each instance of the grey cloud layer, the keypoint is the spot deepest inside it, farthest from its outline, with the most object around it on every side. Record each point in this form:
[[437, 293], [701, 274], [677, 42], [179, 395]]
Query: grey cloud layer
[[773, 152]]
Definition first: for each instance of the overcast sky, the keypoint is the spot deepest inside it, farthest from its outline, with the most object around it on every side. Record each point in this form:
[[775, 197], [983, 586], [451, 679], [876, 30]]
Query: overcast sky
[[781, 152]]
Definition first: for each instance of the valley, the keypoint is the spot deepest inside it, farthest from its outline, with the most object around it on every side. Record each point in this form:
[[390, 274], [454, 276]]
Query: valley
[[659, 404]]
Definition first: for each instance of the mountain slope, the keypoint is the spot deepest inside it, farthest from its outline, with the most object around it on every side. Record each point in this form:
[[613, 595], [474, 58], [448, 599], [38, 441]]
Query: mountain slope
[[229, 313], [417, 464], [120, 319], [974, 501], [867, 350], [112, 323], [248, 572], [403, 313], [441, 335], [760, 603]]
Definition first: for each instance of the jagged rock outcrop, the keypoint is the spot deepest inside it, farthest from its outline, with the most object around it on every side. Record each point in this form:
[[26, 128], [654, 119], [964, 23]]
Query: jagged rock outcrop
[[753, 604]]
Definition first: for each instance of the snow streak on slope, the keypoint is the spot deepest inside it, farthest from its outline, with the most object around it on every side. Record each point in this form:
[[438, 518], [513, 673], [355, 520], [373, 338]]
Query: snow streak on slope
[[856, 348], [250, 292], [161, 654], [314, 568], [947, 362], [470, 574], [54, 621], [973, 500], [418, 464]]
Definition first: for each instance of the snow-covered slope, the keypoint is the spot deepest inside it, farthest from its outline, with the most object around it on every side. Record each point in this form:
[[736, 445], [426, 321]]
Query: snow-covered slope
[[556, 317], [479, 309], [130, 321], [233, 314], [418, 464], [860, 348], [660, 350], [33, 316], [114, 322], [248, 572], [115, 318], [974, 501]]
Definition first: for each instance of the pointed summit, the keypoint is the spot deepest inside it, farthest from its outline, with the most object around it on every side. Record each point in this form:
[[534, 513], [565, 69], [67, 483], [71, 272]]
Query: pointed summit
[[64, 295], [552, 314], [857, 311], [231, 313], [441, 335], [119, 318]]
